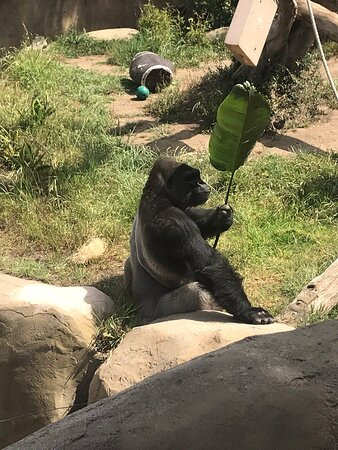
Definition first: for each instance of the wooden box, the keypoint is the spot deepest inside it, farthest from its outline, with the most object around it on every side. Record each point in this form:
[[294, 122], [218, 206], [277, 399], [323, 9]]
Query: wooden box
[[249, 29]]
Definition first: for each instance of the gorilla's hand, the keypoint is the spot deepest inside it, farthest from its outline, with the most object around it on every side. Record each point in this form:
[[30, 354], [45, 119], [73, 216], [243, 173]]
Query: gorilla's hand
[[224, 218], [211, 222], [257, 316]]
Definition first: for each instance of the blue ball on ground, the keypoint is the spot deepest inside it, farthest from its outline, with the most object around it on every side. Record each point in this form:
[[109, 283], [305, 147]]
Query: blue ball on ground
[[142, 92]]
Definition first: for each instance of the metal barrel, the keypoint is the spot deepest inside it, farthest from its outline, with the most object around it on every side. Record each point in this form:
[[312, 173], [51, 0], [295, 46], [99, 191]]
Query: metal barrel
[[151, 70]]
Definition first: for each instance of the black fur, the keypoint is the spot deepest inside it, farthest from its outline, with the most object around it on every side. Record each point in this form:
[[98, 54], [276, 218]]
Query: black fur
[[172, 268]]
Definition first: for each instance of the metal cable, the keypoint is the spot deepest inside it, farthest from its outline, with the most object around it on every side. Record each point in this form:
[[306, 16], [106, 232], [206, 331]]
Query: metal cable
[[320, 47]]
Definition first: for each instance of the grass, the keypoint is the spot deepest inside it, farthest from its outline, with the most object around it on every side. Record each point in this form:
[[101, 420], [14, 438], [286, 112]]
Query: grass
[[295, 98], [74, 44], [90, 166], [321, 315], [330, 49], [284, 233], [55, 116], [218, 12], [112, 331], [161, 31]]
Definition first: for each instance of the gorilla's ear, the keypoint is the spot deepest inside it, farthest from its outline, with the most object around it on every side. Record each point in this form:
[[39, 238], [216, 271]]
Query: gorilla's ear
[[182, 169]]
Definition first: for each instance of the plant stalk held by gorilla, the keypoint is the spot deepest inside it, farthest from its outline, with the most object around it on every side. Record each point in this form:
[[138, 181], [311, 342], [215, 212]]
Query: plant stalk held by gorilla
[[241, 119]]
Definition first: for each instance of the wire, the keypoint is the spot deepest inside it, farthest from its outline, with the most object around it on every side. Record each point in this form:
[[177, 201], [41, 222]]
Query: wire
[[42, 413], [320, 47]]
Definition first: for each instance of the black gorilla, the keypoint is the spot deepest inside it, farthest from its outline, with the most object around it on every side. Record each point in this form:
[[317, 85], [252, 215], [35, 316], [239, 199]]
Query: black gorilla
[[172, 269]]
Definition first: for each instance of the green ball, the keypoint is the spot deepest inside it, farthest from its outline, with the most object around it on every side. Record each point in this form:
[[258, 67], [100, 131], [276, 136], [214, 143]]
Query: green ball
[[142, 93]]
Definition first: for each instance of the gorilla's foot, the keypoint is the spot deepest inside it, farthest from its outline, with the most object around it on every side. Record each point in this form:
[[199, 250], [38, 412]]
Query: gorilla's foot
[[256, 316]]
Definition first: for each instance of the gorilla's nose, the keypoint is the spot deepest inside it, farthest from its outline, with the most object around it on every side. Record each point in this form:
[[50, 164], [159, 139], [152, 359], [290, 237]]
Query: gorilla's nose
[[204, 188]]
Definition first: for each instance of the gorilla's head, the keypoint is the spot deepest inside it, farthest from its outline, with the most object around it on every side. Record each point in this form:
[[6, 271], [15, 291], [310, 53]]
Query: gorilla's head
[[186, 188], [171, 180]]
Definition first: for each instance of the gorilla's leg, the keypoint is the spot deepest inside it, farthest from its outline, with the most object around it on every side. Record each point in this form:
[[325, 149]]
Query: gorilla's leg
[[188, 298], [225, 285], [146, 291]]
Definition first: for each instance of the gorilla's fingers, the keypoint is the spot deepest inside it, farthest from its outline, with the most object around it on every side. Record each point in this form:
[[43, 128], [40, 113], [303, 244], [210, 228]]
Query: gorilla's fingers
[[225, 208], [256, 316], [225, 217]]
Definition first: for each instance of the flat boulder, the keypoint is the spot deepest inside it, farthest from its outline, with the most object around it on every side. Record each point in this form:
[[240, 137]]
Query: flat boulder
[[218, 34], [46, 334], [111, 34], [167, 343], [277, 391]]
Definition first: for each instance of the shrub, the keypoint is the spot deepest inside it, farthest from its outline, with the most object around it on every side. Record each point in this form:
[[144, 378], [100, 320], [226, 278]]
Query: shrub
[[78, 43], [294, 98], [218, 12], [164, 32]]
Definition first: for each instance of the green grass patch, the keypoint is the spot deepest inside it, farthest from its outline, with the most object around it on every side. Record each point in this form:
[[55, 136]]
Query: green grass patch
[[52, 116], [321, 315], [58, 157], [112, 330], [330, 49], [78, 43], [285, 223]]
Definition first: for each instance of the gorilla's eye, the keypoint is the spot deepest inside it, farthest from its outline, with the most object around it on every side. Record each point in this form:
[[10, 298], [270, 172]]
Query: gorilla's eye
[[195, 183], [191, 177]]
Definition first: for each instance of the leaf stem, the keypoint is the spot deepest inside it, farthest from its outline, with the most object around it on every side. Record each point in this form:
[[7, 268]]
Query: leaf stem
[[226, 202], [229, 187], [216, 241]]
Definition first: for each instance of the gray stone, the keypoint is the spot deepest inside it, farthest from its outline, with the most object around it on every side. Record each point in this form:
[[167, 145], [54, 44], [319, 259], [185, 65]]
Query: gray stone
[[45, 349], [166, 343], [39, 43], [273, 392], [219, 34], [93, 249], [111, 34]]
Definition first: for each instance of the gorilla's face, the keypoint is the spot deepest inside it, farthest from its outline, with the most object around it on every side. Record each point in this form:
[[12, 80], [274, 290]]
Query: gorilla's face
[[186, 187]]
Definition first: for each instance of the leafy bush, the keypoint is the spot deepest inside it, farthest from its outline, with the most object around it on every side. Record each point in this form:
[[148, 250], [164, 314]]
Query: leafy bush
[[164, 32], [19, 155], [161, 31], [294, 98], [38, 112], [78, 43], [218, 12], [330, 49]]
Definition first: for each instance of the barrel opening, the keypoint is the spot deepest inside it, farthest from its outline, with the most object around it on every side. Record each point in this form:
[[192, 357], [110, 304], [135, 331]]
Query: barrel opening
[[157, 78]]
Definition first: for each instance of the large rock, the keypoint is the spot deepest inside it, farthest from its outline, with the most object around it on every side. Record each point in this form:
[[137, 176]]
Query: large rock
[[45, 337], [164, 344], [268, 392], [111, 34], [219, 34]]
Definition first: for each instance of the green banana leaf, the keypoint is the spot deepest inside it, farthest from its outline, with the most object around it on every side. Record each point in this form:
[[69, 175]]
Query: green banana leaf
[[241, 119]]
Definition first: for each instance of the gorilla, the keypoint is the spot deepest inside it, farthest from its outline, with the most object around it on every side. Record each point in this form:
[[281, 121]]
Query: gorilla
[[172, 269]]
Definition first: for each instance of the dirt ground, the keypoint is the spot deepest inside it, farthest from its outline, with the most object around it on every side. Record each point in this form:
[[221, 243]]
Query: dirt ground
[[132, 121]]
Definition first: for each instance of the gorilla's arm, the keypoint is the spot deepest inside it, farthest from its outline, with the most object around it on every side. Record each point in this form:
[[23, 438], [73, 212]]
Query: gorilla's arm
[[180, 239], [211, 222]]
